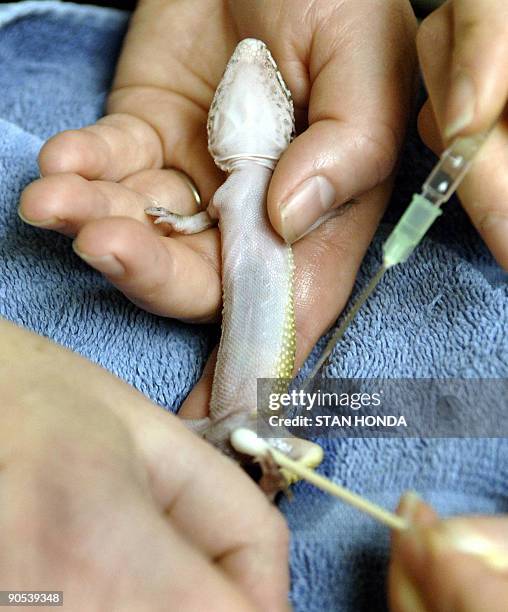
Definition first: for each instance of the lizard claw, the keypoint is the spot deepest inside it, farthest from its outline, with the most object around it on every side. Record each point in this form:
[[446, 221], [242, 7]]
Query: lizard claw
[[158, 211], [164, 215]]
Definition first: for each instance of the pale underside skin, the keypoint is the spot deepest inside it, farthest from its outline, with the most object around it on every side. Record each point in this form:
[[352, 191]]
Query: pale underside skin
[[250, 125], [257, 320]]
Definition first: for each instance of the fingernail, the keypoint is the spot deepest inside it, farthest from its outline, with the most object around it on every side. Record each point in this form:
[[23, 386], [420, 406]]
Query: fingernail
[[408, 597], [409, 505], [495, 231], [462, 539], [107, 264], [51, 222], [419, 517], [305, 206], [409, 509], [461, 110]]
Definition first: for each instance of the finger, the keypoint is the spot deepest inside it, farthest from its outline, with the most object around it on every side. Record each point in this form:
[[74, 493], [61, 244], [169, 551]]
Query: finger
[[327, 263], [355, 125], [185, 574], [191, 480], [96, 480], [200, 489], [484, 191], [146, 129], [196, 404], [403, 596], [484, 194], [35, 524], [245, 534], [169, 81], [478, 84], [438, 564], [65, 202], [116, 146], [441, 569], [170, 187], [417, 514], [181, 124], [403, 593], [173, 277], [435, 44], [429, 130]]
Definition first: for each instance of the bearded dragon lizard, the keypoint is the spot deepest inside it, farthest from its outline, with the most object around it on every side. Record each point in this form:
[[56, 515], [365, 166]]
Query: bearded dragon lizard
[[250, 124]]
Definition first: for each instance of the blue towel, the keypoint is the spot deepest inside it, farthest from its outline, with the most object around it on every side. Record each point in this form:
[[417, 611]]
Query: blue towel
[[443, 314]]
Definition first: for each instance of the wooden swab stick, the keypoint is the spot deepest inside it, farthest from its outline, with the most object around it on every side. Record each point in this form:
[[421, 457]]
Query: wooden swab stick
[[247, 442], [384, 516]]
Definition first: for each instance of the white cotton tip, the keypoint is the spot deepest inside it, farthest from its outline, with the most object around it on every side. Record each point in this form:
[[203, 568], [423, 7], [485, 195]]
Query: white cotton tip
[[247, 442]]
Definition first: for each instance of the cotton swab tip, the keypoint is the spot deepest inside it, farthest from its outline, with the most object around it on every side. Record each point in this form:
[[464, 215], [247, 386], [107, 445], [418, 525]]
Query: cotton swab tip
[[247, 442]]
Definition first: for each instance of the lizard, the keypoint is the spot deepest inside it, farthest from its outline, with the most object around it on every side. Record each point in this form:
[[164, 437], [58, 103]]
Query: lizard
[[250, 124]]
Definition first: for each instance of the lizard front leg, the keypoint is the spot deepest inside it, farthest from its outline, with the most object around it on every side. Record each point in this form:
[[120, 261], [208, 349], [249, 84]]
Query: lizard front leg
[[183, 224]]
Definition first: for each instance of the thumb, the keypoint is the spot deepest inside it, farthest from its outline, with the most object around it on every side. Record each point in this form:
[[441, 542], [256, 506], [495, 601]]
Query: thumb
[[325, 167], [356, 124], [456, 564], [479, 88]]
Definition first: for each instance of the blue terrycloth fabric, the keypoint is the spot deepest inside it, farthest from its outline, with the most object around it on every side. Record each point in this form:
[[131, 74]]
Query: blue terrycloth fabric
[[444, 314]]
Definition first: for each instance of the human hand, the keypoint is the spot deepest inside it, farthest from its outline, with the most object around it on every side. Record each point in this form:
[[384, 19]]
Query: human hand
[[110, 499], [458, 564], [350, 65], [463, 50]]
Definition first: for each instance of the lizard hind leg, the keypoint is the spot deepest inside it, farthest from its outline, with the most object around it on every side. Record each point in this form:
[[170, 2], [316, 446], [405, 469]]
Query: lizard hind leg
[[272, 480], [275, 479], [306, 453], [182, 224]]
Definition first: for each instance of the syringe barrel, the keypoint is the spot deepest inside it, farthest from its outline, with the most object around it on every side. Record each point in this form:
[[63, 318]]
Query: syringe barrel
[[409, 231], [451, 169]]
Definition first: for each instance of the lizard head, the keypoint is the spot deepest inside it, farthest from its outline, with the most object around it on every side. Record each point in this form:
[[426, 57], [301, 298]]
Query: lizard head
[[251, 116]]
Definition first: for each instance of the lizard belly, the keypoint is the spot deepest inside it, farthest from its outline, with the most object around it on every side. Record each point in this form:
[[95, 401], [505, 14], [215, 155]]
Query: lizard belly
[[258, 339]]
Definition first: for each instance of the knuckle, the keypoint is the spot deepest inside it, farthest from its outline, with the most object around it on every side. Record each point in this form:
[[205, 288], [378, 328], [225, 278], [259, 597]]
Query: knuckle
[[32, 191], [65, 139], [476, 32], [468, 26], [56, 187], [384, 156], [54, 156]]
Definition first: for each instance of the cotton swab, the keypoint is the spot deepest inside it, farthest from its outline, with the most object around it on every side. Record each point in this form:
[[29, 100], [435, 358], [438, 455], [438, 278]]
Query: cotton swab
[[247, 442]]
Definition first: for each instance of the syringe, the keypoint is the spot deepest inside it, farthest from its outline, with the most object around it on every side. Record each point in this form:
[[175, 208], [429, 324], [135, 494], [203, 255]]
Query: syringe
[[424, 209]]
